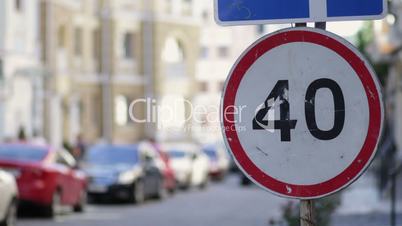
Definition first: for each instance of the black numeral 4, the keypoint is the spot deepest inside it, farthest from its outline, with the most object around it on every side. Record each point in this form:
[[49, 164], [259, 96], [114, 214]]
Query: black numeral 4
[[280, 94]]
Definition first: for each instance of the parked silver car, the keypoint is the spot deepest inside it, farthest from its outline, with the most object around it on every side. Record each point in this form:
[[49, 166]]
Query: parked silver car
[[190, 164], [8, 199]]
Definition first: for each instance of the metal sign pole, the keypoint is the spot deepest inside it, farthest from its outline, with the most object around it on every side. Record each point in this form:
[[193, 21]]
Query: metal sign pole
[[307, 213]]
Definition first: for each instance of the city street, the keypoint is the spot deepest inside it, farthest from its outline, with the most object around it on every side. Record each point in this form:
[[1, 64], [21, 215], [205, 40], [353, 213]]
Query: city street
[[224, 203]]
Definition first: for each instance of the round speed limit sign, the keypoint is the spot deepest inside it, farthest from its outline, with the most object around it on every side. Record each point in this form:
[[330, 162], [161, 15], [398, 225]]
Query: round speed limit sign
[[302, 113]]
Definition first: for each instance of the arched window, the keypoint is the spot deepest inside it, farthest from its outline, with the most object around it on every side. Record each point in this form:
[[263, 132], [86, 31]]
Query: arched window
[[121, 110], [173, 57], [173, 51]]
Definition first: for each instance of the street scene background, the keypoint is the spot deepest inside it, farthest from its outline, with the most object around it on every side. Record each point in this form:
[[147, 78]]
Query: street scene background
[[79, 74]]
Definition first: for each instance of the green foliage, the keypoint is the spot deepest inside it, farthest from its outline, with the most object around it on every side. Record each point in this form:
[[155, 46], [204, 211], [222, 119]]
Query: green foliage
[[291, 214], [365, 38], [324, 208]]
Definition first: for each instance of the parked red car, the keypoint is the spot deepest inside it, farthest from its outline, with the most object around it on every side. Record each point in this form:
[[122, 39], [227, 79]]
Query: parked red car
[[168, 173], [165, 167], [45, 177]]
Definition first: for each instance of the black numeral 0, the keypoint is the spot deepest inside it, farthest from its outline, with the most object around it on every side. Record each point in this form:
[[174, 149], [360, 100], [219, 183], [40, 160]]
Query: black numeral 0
[[339, 109]]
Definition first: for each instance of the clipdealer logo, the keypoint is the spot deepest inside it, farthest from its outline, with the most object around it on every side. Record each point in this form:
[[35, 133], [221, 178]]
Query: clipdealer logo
[[178, 112]]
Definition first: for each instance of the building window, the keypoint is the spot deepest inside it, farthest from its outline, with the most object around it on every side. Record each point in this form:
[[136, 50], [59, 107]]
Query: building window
[[204, 52], [121, 110], [96, 45], [221, 85], [187, 7], [173, 57], [78, 41], [205, 15], [188, 3], [128, 48], [223, 51], [204, 87], [95, 110], [168, 7], [96, 48], [173, 51], [260, 29], [61, 41], [1, 70], [18, 5]]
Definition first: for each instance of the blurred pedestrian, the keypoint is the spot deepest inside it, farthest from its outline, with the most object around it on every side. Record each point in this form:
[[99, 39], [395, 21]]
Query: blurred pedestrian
[[387, 157], [22, 137], [155, 145], [38, 139], [68, 147], [79, 148]]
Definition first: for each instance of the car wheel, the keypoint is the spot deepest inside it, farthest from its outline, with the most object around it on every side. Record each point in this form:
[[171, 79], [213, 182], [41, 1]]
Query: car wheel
[[172, 190], [162, 192], [245, 181], [80, 206], [220, 177], [55, 208], [204, 184], [187, 184], [91, 199], [11, 216], [138, 195]]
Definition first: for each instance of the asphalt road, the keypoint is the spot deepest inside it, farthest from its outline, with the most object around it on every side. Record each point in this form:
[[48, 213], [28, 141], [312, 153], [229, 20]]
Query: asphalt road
[[221, 204]]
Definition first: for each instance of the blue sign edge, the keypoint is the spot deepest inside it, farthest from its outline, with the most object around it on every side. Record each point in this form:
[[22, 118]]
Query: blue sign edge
[[298, 20]]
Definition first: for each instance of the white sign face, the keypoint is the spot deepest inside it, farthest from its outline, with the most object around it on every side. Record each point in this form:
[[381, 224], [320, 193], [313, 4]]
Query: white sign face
[[302, 113]]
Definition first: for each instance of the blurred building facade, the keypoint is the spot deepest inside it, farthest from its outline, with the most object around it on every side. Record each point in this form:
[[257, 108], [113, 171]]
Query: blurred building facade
[[20, 69], [101, 55], [68, 31], [387, 48], [79, 65], [174, 27], [215, 59]]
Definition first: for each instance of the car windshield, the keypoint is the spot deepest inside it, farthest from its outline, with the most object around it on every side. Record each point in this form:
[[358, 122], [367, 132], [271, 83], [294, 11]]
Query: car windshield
[[211, 153], [112, 155], [22, 153], [177, 154]]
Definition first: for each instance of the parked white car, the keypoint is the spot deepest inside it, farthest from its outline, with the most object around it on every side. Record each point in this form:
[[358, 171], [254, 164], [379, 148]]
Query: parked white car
[[219, 160], [8, 199], [190, 164]]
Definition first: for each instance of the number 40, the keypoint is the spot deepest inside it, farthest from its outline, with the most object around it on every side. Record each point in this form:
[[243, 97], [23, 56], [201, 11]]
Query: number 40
[[279, 94]]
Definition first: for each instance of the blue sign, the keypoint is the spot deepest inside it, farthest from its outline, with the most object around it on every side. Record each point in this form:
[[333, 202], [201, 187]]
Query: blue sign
[[237, 12]]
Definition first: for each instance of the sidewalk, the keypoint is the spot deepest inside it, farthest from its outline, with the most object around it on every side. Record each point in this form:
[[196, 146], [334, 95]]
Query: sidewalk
[[362, 205], [374, 219]]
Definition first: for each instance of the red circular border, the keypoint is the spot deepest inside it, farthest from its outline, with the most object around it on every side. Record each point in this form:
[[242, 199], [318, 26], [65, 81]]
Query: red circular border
[[375, 111]]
